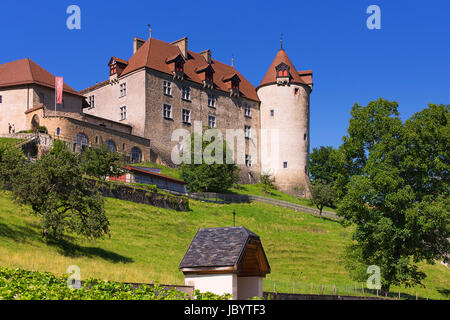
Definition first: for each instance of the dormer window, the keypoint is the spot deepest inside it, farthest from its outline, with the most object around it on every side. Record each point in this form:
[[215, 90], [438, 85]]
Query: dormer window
[[113, 69], [283, 76], [206, 73], [234, 84], [177, 65]]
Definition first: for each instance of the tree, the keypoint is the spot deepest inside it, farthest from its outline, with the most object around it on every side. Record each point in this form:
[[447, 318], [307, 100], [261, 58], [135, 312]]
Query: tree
[[55, 189], [100, 163], [393, 185], [218, 176], [11, 159], [321, 165], [267, 182], [322, 194]]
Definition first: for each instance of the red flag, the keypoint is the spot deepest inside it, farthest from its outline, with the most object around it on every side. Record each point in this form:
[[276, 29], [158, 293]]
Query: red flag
[[59, 89]]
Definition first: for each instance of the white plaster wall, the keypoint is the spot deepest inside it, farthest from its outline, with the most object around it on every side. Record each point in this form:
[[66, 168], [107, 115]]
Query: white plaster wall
[[15, 101], [249, 287], [282, 135], [214, 283], [108, 101]]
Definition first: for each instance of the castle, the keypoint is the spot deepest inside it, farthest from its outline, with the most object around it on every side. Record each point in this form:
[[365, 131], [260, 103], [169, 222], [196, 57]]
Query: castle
[[164, 87]]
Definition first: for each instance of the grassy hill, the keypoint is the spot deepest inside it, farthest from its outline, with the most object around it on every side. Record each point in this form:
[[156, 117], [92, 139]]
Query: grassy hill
[[148, 243]]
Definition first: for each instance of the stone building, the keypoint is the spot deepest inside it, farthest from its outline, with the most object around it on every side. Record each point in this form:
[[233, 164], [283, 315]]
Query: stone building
[[163, 87], [27, 101]]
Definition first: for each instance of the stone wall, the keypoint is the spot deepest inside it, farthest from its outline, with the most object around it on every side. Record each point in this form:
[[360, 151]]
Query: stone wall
[[229, 113]]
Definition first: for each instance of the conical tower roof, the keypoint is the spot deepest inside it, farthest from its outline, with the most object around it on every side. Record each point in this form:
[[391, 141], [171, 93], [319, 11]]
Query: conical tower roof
[[295, 76]]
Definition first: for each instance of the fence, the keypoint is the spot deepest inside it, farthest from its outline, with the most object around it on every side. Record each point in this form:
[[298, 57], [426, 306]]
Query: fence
[[339, 291], [222, 198]]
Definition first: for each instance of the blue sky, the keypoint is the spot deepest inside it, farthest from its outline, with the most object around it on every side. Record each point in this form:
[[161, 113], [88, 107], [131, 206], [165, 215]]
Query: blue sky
[[406, 61]]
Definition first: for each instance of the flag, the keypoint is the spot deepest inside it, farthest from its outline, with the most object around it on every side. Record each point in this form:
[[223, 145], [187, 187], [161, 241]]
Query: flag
[[59, 89]]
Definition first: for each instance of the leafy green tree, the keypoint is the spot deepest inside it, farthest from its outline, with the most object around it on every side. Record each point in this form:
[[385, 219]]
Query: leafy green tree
[[55, 189], [11, 159], [321, 165], [209, 175], [322, 194], [267, 182], [393, 185], [100, 163]]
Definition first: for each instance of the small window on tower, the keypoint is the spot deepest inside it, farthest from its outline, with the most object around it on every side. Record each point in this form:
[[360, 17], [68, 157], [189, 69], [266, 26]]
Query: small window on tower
[[285, 165], [272, 113], [113, 69], [1, 99], [297, 91], [305, 136]]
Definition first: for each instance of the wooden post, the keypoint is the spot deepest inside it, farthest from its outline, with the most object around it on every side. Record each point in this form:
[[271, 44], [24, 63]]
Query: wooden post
[[293, 286], [311, 288], [274, 287], [323, 288], [398, 294], [417, 296], [346, 289], [356, 290], [362, 288], [334, 289], [377, 292]]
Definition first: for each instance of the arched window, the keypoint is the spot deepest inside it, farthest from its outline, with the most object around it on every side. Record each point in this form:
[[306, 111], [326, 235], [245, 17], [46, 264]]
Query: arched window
[[111, 146], [136, 155], [81, 142], [58, 131], [35, 122]]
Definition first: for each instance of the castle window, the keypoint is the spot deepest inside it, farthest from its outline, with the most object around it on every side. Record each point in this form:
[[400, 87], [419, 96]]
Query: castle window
[[186, 116], [282, 70], [58, 131], [211, 121], [123, 89], [211, 101], [91, 102], [111, 146], [296, 91], [167, 88], [179, 66], [248, 160], [123, 113], [285, 165], [167, 111], [1, 99], [305, 136], [272, 113], [113, 69], [248, 132], [235, 84], [186, 93], [209, 76], [247, 110], [136, 155]]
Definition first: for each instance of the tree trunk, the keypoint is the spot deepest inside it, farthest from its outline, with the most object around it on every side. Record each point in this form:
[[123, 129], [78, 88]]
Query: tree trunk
[[385, 290]]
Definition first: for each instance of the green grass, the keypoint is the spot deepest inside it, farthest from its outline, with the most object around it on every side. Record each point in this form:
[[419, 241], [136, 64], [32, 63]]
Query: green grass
[[148, 243], [10, 141], [256, 189]]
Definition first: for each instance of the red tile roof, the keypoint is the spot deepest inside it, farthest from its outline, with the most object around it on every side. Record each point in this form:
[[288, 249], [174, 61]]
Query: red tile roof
[[154, 174], [155, 53], [303, 77], [26, 71]]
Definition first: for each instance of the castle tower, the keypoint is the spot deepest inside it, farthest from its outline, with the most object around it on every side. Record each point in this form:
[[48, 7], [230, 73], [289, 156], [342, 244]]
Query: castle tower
[[284, 95]]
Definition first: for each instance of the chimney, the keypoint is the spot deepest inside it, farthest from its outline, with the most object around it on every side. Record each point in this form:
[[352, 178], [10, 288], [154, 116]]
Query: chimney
[[182, 45], [137, 43], [207, 55]]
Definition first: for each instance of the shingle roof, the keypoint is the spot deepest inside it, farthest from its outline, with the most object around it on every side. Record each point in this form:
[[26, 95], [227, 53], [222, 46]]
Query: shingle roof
[[26, 71], [303, 77], [155, 53], [217, 247]]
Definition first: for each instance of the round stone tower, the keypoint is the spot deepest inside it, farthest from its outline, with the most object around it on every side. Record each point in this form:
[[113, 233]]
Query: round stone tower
[[284, 95]]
